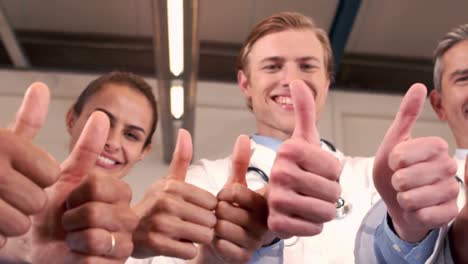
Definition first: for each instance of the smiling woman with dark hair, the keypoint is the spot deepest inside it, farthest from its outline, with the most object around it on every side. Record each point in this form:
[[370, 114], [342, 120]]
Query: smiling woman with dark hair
[[129, 103]]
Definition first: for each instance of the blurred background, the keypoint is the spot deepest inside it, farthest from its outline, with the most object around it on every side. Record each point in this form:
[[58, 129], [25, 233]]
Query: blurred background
[[382, 48]]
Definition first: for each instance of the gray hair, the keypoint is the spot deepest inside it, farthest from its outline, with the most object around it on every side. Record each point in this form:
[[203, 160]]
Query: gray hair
[[453, 37]]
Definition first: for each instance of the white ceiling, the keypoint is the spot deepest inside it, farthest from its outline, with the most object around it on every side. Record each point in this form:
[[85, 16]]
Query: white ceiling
[[386, 27]]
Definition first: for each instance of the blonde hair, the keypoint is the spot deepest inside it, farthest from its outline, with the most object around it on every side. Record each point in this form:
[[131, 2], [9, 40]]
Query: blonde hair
[[281, 22]]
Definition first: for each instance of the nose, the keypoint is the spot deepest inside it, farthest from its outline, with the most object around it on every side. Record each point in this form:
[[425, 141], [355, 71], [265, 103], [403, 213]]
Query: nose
[[113, 141], [289, 74]]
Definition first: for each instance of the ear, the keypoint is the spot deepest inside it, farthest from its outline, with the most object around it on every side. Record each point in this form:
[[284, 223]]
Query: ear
[[70, 119], [243, 82], [327, 83], [145, 151], [436, 103]]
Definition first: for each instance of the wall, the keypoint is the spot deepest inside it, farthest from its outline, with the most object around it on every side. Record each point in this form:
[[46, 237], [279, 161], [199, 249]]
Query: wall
[[355, 122]]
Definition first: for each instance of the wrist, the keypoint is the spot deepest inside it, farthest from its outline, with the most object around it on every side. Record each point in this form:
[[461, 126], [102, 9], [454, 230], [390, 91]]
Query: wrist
[[411, 235]]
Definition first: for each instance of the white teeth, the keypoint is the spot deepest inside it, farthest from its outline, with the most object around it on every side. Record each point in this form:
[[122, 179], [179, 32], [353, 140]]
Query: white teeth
[[284, 100], [106, 160]]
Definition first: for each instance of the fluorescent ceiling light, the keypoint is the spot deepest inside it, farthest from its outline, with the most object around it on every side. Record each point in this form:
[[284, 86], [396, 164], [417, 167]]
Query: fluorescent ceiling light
[[177, 100], [175, 17]]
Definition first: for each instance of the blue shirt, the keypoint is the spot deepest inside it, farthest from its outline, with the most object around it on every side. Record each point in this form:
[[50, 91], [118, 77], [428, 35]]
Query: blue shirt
[[269, 142], [265, 254], [389, 248]]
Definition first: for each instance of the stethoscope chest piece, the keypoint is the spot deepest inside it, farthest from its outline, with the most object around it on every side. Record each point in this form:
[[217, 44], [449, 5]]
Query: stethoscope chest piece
[[343, 208]]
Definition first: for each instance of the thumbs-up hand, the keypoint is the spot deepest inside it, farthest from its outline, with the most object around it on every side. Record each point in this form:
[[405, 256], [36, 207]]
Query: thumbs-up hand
[[415, 177], [174, 214], [98, 220], [241, 214], [25, 169], [81, 219], [303, 187]]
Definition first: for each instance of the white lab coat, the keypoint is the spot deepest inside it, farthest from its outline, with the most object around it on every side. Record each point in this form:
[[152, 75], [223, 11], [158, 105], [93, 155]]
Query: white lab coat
[[336, 242]]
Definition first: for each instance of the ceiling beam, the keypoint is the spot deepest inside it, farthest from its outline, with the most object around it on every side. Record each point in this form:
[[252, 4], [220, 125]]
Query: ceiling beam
[[342, 25], [100, 53], [12, 46]]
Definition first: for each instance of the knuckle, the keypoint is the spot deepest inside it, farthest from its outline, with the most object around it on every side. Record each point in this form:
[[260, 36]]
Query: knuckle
[[277, 179], [239, 191], [329, 212], [452, 188], [93, 185], [166, 204], [440, 145], [334, 167], [424, 218], [406, 201], [275, 201], [93, 240], [126, 192], [220, 227], [92, 212], [38, 203], [22, 225], [289, 150], [131, 220], [276, 223], [399, 181], [53, 173], [125, 247], [171, 186], [317, 229], [336, 191], [449, 167], [158, 222], [396, 157], [222, 208], [207, 237]]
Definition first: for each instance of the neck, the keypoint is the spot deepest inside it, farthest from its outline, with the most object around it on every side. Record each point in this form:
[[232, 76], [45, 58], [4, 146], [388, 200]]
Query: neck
[[462, 144], [274, 133]]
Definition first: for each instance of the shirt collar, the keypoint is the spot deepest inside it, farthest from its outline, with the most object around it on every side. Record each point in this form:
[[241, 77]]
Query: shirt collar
[[269, 142], [461, 153], [272, 143]]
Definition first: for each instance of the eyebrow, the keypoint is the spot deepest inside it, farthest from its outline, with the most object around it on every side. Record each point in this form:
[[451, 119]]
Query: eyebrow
[[112, 119], [279, 58], [459, 72]]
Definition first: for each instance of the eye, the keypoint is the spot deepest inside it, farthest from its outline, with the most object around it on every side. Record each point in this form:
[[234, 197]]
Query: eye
[[462, 79], [132, 136], [272, 67], [307, 66]]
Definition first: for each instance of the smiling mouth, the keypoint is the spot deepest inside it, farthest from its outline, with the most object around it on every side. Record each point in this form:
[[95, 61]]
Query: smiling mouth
[[106, 162], [283, 100]]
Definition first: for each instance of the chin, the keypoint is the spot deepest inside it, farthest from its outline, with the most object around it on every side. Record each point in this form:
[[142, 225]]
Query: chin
[[101, 172]]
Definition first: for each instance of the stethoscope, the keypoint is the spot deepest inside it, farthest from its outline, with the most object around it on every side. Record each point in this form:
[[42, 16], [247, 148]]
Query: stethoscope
[[343, 208]]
